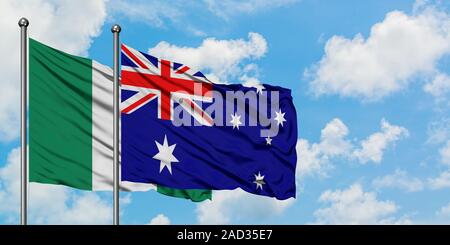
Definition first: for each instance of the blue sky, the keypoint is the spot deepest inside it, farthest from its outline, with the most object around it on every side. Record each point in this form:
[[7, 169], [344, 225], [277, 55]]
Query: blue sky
[[370, 81]]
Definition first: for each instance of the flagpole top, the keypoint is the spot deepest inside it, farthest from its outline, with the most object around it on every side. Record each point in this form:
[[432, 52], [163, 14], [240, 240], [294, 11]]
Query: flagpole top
[[24, 22], [116, 28]]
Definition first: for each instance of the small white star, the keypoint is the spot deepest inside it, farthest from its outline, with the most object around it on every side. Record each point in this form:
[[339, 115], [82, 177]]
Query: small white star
[[280, 117], [259, 88], [268, 140], [254, 83], [165, 155], [259, 181], [235, 120]]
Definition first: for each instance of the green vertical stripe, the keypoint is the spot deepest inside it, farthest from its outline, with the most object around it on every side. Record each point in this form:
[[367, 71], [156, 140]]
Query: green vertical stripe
[[60, 117], [193, 194]]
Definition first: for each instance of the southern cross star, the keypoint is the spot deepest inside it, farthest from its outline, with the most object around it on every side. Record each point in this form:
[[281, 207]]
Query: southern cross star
[[259, 181], [259, 88], [280, 117], [235, 120], [165, 155], [268, 140]]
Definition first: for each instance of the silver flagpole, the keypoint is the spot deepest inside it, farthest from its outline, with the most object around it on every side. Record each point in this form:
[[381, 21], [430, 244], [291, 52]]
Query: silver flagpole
[[23, 23], [116, 30]]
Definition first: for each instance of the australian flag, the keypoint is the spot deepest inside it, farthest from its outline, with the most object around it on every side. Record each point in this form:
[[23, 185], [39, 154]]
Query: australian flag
[[180, 130]]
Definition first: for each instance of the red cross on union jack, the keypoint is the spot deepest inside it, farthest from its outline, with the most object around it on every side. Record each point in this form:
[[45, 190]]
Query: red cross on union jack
[[167, 81]]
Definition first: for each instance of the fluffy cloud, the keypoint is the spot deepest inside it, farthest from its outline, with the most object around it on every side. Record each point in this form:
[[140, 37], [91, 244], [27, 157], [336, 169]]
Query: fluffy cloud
[[439, 86], [442, 181], [153, 13], [439, 131], [373, 147], [228, 8], [397, 49], [445, 153], [315, 158], [236, 205], [49, 204], [439, 134], [66, 25], [226, 65], [399, 179], [332, 138], [444, 211], [354, 206], [10, 183], [176, 13], [69, 208], [310, 160], [160, 219]]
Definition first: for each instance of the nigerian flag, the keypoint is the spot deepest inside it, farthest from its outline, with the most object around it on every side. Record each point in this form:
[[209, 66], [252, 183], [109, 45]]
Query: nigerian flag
[[71, 124]]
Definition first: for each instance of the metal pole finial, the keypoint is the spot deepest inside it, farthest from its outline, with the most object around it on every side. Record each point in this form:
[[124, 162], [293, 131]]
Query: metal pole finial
[[24, 22], [116, 28]]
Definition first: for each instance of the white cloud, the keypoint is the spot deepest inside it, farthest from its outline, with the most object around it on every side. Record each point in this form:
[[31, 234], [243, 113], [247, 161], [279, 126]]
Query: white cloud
[[10, 183], [177, 13], [397, 49], [228, 8], [332, 138], [160, 219], [250, 76], [373, 147], [439, 134], [445, 153], [77, 209], [354, 206], [399, 179], [310, 160], [232, 206], [49, 204], [439, 86], [444, 211], [314, 159], [439, 131], [251, 82], [66, 25], [153, 13], [220, 57], [442, 181]]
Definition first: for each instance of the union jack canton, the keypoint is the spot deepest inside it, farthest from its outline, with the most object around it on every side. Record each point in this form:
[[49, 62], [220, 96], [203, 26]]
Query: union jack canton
[[166, 81]]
